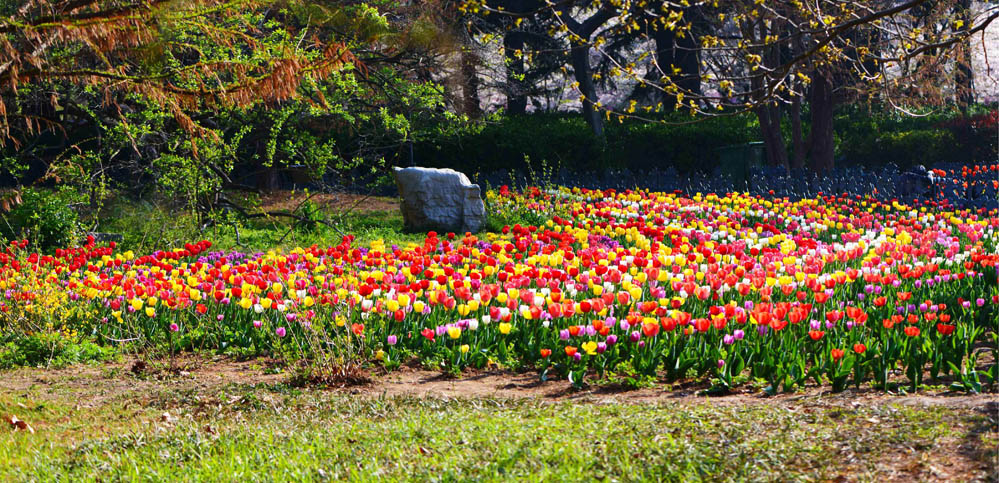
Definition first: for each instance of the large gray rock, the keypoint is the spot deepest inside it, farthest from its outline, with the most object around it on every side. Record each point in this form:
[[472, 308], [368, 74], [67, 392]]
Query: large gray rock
[[439, 199]]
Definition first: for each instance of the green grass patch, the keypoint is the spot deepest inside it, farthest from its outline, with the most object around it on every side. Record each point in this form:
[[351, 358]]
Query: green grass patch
[[273, 432], [147, 226]]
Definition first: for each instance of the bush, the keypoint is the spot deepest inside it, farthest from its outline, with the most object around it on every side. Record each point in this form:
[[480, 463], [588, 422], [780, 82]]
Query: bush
[[865, 136], [563, 140], [923, 146], [52, 349], [872, 138], [44, 218]]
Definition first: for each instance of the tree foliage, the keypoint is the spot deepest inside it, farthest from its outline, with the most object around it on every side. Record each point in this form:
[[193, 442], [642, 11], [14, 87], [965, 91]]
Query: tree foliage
[[731, 56], [198, 98]]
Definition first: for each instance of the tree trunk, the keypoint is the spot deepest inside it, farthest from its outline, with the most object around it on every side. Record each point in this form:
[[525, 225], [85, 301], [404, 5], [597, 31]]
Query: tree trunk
[[516, 93], [822, 104], [665, 59], [269, 179], [773, 140], [580, 57], [688, 59], [682, 53], [767, 110], [963, 75], [797, 136], [470, 84]]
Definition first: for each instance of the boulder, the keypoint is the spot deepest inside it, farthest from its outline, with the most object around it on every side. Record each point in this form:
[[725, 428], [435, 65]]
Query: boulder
[[439, 199]]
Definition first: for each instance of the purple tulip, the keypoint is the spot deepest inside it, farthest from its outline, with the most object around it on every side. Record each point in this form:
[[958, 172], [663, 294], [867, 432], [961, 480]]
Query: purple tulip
[[563, 334], [738, 334], [174, 327], [611, 340], [392, 340], [728, 339], [280, 332], [601, 347], [635, 336], [721, 363]]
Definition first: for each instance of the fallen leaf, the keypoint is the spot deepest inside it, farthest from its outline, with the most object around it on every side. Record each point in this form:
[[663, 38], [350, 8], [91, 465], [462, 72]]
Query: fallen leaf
[[19, 425]]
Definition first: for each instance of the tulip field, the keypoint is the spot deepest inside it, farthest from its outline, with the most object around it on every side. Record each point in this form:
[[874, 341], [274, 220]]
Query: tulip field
[[591, 285]]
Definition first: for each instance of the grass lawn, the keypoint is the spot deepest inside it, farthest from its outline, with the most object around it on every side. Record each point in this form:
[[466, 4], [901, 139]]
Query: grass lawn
[[244, 423], [147, 226]]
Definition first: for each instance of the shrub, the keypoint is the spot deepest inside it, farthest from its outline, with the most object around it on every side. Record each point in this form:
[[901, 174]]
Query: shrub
[[864, 135], [52, 349], [565, 141], [45, 218]]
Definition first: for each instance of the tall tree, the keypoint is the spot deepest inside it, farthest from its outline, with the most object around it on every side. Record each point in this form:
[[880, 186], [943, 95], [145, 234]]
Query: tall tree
[[766, 57]]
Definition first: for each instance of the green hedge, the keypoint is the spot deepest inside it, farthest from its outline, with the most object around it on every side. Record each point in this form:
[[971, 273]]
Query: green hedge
[[872, 138], [863, 137], [565, 140]]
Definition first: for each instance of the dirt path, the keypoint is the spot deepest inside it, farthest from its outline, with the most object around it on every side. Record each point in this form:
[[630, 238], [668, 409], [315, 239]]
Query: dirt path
[[98, 383]]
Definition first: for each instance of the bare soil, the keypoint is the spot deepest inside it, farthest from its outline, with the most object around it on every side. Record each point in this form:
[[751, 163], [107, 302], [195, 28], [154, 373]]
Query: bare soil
[[336, 202], [99, 382]]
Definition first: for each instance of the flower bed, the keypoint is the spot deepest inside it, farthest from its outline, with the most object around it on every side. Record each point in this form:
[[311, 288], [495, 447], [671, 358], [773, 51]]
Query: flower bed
[[641, 285]]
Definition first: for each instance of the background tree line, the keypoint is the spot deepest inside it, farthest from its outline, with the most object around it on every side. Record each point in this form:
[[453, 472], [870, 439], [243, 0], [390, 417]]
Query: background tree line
[[203, 99]]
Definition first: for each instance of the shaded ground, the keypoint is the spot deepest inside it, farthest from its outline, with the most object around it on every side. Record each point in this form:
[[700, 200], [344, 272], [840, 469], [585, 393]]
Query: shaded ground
[[242, 420], [285, 200]]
